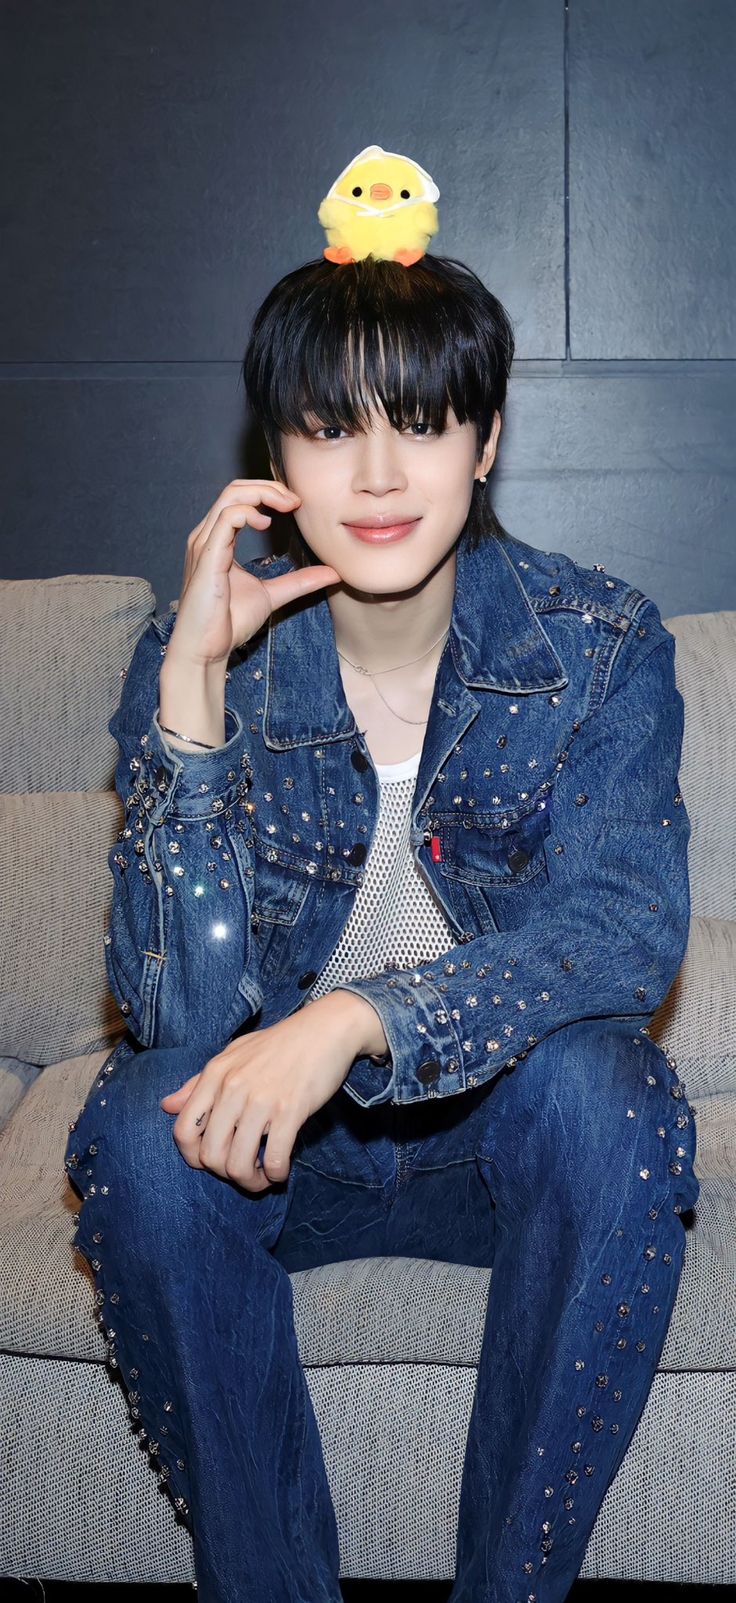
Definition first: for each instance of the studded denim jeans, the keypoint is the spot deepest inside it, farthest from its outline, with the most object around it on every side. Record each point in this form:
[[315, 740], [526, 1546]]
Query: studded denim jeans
[[567, 1174]]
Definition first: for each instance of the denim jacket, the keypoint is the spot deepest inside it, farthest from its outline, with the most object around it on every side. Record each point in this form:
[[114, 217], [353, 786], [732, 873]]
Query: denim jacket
[[547, 820]]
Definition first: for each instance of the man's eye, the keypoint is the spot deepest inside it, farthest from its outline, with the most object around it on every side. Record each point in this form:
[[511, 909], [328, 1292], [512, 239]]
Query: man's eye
[[334, 428]]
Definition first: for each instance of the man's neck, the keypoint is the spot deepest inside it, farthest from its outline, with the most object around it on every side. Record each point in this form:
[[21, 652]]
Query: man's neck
[[380, 632]]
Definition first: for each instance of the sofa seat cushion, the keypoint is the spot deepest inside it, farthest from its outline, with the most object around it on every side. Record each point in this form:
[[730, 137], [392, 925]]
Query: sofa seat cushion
[[15, 1077], [387, 1310]]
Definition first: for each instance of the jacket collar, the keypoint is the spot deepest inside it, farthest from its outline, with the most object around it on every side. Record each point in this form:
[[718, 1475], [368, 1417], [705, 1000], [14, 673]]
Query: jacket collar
[[496, 639]]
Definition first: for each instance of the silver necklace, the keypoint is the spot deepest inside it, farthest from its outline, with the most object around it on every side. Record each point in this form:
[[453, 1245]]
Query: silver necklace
[[372, 676]]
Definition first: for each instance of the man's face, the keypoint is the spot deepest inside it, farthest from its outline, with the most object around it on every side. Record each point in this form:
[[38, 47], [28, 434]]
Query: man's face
[[344, 477]]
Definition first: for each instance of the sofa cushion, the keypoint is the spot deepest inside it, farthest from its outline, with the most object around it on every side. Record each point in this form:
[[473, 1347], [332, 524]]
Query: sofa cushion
[[15, 1078], [705, 670], [55, 893], [696, 1023], [386, 1310], [65, 644]]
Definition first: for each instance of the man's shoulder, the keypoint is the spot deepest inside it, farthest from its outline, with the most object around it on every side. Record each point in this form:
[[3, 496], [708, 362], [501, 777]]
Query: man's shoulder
[[555, 581], [627, 619]]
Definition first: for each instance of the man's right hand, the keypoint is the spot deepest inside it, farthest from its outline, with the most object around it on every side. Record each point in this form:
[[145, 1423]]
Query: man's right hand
[[222, 605]]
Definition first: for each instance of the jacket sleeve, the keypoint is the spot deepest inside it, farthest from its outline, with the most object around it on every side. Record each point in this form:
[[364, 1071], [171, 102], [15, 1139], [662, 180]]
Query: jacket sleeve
[[180, 940], [609, 930]]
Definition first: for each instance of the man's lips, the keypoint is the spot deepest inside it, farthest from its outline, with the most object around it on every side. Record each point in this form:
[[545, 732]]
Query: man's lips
[[383, 530]]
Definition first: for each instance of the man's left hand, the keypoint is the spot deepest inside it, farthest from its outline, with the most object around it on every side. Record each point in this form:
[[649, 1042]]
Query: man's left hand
[[269, 1081]]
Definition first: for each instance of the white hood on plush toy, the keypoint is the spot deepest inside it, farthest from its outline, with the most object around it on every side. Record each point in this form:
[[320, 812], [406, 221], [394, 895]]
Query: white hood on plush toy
[[430, 190]]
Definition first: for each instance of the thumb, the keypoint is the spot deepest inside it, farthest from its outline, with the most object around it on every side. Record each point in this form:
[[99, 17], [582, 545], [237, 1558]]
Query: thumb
[[299, 582]]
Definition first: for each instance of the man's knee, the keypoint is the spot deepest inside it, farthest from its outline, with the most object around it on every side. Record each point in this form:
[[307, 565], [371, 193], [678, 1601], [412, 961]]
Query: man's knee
[[599, 1094], [596, 1061], [123, 1139]]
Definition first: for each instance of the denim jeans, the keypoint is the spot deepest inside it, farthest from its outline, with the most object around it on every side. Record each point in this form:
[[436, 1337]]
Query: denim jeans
[[567, 1173]]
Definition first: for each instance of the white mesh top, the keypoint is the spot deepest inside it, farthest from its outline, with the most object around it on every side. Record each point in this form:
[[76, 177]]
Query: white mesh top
[[394, 917]]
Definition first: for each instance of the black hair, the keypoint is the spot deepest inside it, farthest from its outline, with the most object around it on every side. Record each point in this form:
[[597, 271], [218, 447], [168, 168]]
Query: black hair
[[334, 340]]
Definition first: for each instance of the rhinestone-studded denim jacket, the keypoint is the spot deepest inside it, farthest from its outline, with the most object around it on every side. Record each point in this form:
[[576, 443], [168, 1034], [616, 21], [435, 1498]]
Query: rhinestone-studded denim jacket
[[547, 820]]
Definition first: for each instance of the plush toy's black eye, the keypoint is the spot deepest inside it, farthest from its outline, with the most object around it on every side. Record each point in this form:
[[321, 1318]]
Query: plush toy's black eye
[[357, 190], [405, 194]]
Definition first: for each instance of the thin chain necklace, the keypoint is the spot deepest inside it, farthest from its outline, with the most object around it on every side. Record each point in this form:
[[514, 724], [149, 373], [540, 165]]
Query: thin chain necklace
[[372, 676]]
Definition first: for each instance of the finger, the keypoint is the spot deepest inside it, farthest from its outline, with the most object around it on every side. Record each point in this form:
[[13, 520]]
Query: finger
[[223, 530], [272, 491], [190, 1156], [173, 1104], [233, 493], [287, 587], [279, 1148], [269, 484], [213, 1137], [243, 1160], [268, 1154], [240, 509], [182, 1090], [192, 1123], [174, 1100]]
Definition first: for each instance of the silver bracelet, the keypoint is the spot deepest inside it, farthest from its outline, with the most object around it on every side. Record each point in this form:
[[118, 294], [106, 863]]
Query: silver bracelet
[[188, 738]]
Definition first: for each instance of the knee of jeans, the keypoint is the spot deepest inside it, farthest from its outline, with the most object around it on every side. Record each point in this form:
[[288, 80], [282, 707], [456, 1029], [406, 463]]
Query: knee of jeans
[[122, 1143], [599, 1097], [573, 1064]]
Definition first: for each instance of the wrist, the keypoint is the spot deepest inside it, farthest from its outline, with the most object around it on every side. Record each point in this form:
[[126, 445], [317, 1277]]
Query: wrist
[[192, 699], [367, 1032], [207, 677]]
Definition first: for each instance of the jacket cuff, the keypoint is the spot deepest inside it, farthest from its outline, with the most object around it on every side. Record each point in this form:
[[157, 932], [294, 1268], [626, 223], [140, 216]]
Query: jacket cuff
[[196, 783], [368, 1081], [424, 1047], [372, 1076]]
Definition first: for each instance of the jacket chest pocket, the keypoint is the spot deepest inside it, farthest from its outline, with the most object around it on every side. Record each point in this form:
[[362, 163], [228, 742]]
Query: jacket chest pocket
[[487, 854], [492, 875], [280, 894]]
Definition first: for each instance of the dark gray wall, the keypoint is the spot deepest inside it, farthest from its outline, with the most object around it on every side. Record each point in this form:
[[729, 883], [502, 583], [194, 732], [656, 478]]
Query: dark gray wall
[[164, 165]]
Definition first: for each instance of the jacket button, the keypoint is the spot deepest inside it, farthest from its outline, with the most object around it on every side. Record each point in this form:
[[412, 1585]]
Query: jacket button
[[428, 1072], [307, 979], [358, 854], [359, 761], [518, 859]]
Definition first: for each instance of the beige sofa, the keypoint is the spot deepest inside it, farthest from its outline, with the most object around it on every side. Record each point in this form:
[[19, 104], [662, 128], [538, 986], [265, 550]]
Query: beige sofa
[[390, 1345]]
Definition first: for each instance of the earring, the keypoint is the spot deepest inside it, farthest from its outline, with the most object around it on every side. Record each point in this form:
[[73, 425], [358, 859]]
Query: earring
[[482, 478]]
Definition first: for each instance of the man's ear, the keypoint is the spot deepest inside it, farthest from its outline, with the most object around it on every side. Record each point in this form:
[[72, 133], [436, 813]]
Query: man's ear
[[491, 445]]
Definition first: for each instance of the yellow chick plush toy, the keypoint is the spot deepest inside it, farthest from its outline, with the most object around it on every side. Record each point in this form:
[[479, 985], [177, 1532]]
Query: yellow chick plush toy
[[382, 205]]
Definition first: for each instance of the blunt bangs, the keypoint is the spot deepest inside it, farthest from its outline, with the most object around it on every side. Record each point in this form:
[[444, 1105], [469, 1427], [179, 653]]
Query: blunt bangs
[[331, 343]]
